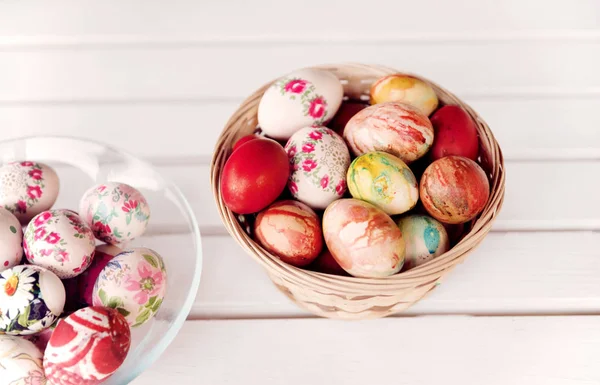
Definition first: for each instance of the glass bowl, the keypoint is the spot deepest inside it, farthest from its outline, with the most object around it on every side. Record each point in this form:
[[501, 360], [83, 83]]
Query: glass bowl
[[172, 232]]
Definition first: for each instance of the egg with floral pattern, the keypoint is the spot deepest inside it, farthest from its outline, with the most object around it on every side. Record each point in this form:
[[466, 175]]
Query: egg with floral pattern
[[425, 239], [302, 98], [134, 282], [87, 347], [11, 238], [60, 241], [20, 362], [116, 212], [319, 160], [383, 180], [31, 299], [27, 188]]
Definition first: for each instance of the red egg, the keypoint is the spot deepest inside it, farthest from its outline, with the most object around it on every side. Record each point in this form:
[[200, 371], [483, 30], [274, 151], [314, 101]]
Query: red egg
[[254, 176], [290, 230], [87, 347], [455, 133], [454, 189], [244, 140], [87, 280], [347, 110], [325, 263]]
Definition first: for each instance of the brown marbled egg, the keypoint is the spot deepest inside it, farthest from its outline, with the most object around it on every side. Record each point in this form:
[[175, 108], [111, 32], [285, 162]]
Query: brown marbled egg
[[363, 239], [291, 230], [393, 127], [454, 189]]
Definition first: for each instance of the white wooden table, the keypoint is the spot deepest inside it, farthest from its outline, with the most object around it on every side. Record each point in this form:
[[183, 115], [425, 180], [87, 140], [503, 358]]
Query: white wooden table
[[523, 309]]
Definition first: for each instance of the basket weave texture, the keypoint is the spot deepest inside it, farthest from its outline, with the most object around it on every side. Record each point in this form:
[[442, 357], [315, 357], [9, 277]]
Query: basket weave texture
[[342, 297]]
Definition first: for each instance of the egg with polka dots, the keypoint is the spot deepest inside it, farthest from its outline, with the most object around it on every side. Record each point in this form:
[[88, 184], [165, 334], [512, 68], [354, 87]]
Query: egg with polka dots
[[11, 237]]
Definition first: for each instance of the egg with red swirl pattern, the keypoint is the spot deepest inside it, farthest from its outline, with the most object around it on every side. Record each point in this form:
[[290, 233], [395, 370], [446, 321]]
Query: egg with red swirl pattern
[[363, 239], [454, 189], [87, 347], [291, 230], [393, 127]]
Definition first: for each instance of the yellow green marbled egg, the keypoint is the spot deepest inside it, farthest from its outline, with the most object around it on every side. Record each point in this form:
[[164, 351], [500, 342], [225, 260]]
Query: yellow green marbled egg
[[383, 180]]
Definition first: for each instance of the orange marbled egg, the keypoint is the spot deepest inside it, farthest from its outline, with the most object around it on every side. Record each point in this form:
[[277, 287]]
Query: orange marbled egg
[[291, 230], [393, 127], [454, 189], [363, 239]]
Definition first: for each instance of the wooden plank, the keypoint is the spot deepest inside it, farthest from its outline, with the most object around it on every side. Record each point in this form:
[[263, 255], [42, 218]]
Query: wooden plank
[[182, 73], [424, 350], [554, 195], [526, 129], [72, 22], [510, 273]]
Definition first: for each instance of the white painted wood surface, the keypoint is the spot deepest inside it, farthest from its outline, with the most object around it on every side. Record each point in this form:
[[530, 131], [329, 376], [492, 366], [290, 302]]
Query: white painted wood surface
[[160, 79]]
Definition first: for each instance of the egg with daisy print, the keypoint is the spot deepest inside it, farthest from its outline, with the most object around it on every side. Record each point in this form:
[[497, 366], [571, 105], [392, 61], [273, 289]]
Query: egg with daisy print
[[31, 299], [134, 283]]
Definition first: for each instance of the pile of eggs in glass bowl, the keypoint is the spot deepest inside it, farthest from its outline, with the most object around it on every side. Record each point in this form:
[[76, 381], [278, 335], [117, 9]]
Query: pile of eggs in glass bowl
[[69, 293]]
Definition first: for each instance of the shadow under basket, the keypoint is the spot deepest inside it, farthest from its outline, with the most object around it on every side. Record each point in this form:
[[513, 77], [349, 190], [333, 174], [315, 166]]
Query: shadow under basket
[[345, 297]]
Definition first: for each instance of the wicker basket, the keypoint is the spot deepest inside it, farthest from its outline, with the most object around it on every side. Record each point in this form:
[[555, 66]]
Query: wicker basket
[[342, 297]]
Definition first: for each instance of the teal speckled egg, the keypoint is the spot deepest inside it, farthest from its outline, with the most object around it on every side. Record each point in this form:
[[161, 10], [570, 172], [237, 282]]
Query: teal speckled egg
[[425, 238], [384, 180]]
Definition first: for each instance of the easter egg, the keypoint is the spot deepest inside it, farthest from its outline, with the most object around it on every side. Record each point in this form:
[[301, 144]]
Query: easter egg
[[318, 160], [290, 230], [325, 263], [454, 189], [87, 347], [116, 212], [407, 89], [243, 140], [20, 362], [393, 127], [425, 239], [254, 176], [11, 238], [301, 98], [87, 280], [455, 134], [363, 239], [346, 111], [27, 188], [60, 241], [383, 180], [31, 299], [133, 282]]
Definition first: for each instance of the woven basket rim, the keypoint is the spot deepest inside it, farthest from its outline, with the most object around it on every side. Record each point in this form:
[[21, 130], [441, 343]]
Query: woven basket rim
[[349, 284]]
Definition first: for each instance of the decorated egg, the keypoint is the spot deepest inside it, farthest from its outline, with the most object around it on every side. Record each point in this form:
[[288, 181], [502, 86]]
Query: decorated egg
[[319, 160], [31, 299], [254, 176], [27, 188], [346, 111], [454, 189], [116, 212], [87, 347], [325, 263], [11, 238], [455, 133], [363, 239], [133, 282], [425, 239], [87, 280], [20, 362], [301, 98], [383, 180], [60, 241], [393, 127], [290, 230], [407, 89]]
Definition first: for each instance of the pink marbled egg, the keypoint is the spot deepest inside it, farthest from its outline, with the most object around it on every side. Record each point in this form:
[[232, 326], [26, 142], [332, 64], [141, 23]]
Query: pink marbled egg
[[363, 239], [60, 241], [116, 212], [393, 127]]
